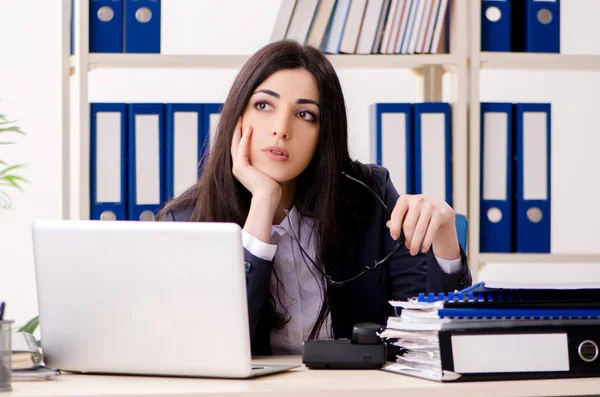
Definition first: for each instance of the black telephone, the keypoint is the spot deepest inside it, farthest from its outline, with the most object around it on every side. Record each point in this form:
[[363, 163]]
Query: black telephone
[[365, 350]]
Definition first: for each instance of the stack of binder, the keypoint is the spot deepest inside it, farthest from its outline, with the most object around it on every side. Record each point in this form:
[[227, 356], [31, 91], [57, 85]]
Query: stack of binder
[[414, 142], [117, 26], [144, 154], [520, 26], [492, 331], [515, 177], [365, 27]]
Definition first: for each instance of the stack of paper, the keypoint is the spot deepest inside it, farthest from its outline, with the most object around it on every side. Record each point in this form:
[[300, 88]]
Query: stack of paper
[[429, 331]]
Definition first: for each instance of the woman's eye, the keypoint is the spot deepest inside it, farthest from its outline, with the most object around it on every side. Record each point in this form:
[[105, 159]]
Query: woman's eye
[[308, 116], [262, 105]]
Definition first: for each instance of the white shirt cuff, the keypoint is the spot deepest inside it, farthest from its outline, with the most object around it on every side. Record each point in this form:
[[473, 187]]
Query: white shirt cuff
[[450, 266], [258, 248]]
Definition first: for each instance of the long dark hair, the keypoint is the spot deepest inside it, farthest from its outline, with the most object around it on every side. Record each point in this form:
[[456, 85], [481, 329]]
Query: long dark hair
[[320, 191]]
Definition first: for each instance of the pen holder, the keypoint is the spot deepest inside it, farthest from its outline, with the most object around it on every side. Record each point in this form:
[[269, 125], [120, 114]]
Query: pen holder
[[5, 355]]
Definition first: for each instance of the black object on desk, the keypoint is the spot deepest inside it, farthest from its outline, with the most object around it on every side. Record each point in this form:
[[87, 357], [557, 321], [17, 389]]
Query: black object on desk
[[364, 351]]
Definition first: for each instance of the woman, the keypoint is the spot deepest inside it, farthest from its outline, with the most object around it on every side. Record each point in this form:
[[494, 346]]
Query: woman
[[311, 216]]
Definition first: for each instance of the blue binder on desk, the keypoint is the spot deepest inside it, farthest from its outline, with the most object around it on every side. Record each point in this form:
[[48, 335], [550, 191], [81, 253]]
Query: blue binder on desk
[[183, 146], [106, 26], [536, 26], [496, 177], [433, 150], [533, 169], [391, 126], [146, 160], [495, 25], [108, 167], [142, 26]]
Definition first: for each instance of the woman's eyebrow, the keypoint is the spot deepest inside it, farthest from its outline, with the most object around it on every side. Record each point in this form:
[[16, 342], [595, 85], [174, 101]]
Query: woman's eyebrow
[[299, 101]]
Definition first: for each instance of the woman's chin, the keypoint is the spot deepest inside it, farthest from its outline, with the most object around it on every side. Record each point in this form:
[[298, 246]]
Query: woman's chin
[[278, 175]]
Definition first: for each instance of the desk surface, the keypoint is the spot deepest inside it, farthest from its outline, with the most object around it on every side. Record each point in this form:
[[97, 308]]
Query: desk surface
[[297, 382]]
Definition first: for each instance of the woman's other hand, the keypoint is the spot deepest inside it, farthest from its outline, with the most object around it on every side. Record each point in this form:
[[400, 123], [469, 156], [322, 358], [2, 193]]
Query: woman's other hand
[[427, 222]]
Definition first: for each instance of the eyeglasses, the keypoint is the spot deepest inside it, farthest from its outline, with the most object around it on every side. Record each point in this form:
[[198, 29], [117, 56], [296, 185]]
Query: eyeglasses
[[366, 269]]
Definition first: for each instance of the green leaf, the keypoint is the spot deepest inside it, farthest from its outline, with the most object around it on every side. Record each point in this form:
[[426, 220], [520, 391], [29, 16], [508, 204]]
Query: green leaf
[[11, 168], [11, 129], [31, 326], [13, 181]]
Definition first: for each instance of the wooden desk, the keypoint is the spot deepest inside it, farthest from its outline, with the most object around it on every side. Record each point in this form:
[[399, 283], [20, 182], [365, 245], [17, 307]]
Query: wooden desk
[[297, 382]]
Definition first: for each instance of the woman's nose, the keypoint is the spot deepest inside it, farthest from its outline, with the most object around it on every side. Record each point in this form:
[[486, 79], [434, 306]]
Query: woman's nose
[[282, 126]]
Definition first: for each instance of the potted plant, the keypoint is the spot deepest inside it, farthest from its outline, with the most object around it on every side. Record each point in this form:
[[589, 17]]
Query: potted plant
[[9, 179]]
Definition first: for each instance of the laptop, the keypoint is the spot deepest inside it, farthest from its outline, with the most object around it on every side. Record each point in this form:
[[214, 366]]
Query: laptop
[[147, 298]]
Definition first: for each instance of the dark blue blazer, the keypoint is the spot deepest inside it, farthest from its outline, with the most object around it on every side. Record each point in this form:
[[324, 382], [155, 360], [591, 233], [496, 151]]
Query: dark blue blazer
[[365, 299]]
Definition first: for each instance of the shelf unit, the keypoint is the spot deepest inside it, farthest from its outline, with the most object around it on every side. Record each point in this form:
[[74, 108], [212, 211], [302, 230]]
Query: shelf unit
[[465, 61], [479, 61], [447, 61], [76, 140]]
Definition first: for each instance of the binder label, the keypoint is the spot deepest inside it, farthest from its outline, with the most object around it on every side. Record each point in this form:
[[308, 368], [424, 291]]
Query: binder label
[[495, 147], [108, 159], [185, 167], [147, 159], [506, 353], [535, 162], [433, 154], [393, 131]]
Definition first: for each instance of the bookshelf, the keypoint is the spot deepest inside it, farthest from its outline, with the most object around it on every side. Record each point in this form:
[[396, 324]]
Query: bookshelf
[[465, 61], [448, 62], [75, 89], [480, 61], [531, 61]]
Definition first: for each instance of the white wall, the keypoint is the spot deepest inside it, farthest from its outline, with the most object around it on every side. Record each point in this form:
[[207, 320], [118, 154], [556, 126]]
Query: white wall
[[30, 92]]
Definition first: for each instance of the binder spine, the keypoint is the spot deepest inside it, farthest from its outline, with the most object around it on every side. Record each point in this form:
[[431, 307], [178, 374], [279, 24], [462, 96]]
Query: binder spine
[[533, 193], [394, 138], [496, 25], [520, 313], [106, 26], [496, 177], [430, 130], [142, 26], [108, 148]]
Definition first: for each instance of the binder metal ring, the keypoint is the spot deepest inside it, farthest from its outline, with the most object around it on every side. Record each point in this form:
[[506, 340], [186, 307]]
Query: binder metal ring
[[534, 214], [494, 214], [493, 14], [588, 351], [108, 216], [147, 216], [106, 14], [143, 15], [544, 16]]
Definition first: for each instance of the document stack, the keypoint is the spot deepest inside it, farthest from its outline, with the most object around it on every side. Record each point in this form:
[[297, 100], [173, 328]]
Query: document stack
[[495, 331]]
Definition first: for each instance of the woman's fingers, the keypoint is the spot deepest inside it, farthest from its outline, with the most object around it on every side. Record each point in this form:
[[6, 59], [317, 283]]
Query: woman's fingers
[[398, 213], [422, 225], [432, 229], [242, 154]]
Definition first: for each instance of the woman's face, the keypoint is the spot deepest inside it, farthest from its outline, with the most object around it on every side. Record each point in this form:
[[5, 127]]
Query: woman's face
[[284, 114]]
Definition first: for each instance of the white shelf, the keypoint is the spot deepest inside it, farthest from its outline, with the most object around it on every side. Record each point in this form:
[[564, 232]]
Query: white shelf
[[539, 61], [448, 61], [539, 258]]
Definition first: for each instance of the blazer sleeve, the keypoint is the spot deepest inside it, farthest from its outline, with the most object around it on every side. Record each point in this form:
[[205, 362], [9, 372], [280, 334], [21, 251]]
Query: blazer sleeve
[[410, 275], [258, 276]]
